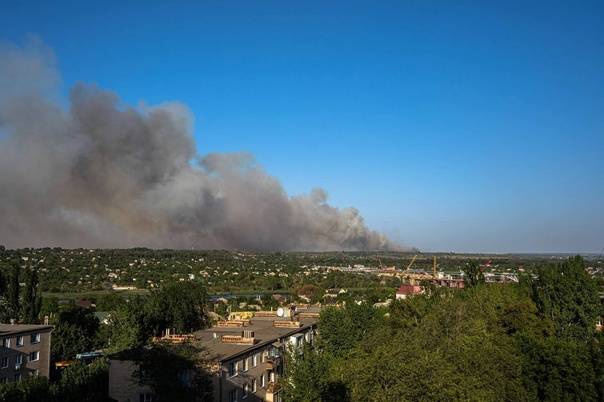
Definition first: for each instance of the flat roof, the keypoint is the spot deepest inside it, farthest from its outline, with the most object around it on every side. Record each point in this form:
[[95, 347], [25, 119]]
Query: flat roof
[[264, 334], [14, 329]]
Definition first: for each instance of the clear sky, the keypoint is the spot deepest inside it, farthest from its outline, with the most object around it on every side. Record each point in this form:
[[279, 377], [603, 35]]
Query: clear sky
[[452, 126]]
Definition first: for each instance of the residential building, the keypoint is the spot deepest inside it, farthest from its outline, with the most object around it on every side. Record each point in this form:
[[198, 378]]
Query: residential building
[[24, 351], [408, 290], [245, 358]]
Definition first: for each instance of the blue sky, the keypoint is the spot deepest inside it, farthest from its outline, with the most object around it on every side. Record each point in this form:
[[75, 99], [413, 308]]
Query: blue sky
[[452, 126]]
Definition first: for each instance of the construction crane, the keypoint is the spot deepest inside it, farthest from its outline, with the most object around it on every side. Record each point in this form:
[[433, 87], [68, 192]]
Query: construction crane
[[411, 263]]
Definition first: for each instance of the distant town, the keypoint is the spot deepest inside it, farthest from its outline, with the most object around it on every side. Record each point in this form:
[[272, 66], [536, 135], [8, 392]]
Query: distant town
[[150, 325]]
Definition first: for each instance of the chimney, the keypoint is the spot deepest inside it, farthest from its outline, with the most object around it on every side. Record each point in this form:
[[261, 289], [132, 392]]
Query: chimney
[[248, 334], [12, 321], [45, 320]]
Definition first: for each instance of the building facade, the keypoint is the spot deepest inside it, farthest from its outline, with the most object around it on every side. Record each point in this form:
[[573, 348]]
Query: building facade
[[24, 351]]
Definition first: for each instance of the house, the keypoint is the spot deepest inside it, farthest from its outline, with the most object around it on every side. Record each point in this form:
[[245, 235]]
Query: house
[[245, 358], [408, 290], [24, 351]]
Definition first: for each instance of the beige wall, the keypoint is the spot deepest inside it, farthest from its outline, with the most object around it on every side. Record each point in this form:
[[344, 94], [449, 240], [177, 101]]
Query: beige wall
[[41, 366]]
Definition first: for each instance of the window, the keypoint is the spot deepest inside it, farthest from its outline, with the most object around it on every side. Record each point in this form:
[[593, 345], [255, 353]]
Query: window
[[145, 397], [4, 362], [254, 385], [19, 359], [35, 338], [245, 364], [233, 395], [262, 381], [34, 356], [255, 360], [232, 369], [19, 341], [18, 377], [246, 389], [6, 343]]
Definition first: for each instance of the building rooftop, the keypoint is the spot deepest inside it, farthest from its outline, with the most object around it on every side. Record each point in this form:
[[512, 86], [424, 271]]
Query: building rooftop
[[264, 333], [14, 329]]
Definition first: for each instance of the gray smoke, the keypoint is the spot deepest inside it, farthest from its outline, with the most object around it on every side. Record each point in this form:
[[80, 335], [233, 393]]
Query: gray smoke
[[92, 172]]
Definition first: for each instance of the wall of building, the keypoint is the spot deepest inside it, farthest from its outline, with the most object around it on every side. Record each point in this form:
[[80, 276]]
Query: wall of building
[[39, 367], [122, 386]]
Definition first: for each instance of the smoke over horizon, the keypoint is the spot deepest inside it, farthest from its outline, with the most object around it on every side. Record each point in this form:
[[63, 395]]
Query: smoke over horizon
[[97, 174]]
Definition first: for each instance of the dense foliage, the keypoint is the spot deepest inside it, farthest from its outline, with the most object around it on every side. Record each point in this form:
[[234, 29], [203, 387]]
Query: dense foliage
[[489, 342], [16, 303], [78, 383]]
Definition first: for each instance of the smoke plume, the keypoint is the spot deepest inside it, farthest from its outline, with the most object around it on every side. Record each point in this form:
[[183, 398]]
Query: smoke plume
[[92, 172]]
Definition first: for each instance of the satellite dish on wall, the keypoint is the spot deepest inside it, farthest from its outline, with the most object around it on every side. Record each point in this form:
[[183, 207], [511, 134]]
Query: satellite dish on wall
[[280, 312]]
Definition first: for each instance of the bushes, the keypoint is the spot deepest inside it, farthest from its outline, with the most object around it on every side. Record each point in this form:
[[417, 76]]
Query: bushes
[[78, 383]]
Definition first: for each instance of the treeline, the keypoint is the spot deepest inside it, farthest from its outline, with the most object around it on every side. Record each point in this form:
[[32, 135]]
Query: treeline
[[533, 341], [81, 270]]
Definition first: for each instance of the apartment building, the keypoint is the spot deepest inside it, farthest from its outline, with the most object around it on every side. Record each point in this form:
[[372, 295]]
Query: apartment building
[[24, 351], [245, 358]]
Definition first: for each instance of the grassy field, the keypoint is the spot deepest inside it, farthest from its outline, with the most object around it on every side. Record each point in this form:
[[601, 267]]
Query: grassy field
[[93, 293]]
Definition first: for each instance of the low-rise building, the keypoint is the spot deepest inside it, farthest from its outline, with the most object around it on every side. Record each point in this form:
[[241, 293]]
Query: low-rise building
[[24, 351], [405, 291], [245, 358]]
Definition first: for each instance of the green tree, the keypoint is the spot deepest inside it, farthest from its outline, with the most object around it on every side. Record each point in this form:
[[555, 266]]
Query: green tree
[[309, 378], [32, 301], [567, 295], [3, 283], [13, 289], [131, 326], [174, 372], [82, 383], [473, 274], [343, 328], [75, 332], [559, 369], [181, 306]]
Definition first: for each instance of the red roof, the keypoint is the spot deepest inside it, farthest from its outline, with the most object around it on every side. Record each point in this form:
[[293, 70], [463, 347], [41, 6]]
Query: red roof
[[409, 289]]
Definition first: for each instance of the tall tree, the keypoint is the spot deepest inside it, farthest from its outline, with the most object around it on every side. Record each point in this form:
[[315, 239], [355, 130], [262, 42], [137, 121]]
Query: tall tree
[[181, 306], [474, 275], [13, 289], [3, 284], [32, 302], [75, 332]]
